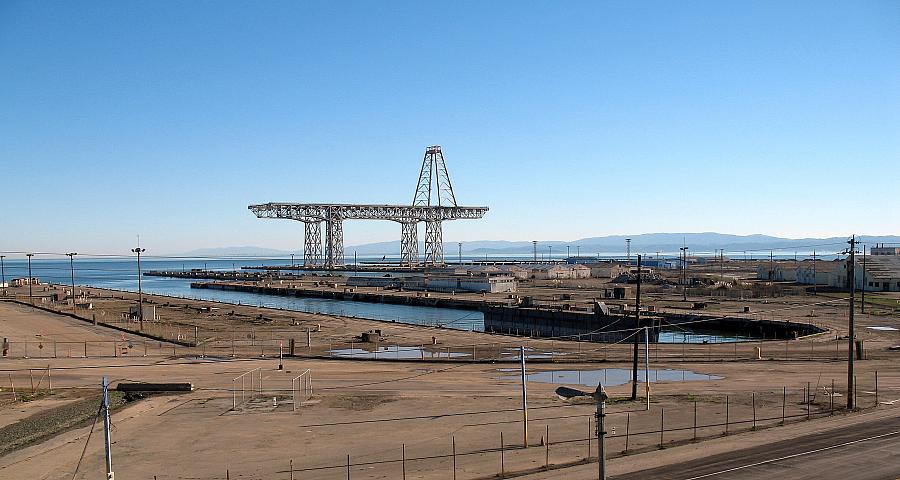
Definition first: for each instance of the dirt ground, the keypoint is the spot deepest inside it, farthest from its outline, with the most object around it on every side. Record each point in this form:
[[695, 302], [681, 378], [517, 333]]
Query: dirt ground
[[378, 411]]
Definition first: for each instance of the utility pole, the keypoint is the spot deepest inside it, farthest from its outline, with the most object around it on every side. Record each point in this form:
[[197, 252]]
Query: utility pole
[[534, 247], [551, 253], [72, 265], [628, 250], [459, 252], [600, 397], [109, 472], [637, 326], [851, 273], [567, 252], [601, 434], [578, 250], [292, 259], [139, 251], [815, 276], [772, 265], [647, 365], [684, 251], [30, 293], [862, 305], [721, 264]]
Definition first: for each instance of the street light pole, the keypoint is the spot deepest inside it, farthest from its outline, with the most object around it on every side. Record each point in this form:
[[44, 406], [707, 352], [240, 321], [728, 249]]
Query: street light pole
[[139, 251], [524, 397], [109, 472], [684, 251], [30, 293], [637, 326], [72, 265]]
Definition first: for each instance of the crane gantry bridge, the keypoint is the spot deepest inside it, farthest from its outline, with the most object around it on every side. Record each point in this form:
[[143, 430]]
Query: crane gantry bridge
[[433, 203]]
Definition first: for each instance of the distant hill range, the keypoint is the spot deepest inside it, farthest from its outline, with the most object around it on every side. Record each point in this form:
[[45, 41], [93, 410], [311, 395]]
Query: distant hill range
[[698, 243], [237, 252]]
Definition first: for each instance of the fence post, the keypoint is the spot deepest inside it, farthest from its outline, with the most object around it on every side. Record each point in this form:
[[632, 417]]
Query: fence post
[[808, 401], [453, 440], [876, 388], [31, 375], [547, 450], [403, 459], [627, 431], [292, 469], [726, 414], [85, 349], [754, 410], [348, 466], [831, 396], [49, 380], [784, 402], [590, 435], [695, 420], [502, 460], [662, 425]]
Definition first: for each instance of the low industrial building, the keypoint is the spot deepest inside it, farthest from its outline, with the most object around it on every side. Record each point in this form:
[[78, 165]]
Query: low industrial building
[[607, 269], [781, 271], [816, 272], [24, 282], [149, 313], [879, 273], [381, 282], [464, 283], [880, 249], [559, 271]]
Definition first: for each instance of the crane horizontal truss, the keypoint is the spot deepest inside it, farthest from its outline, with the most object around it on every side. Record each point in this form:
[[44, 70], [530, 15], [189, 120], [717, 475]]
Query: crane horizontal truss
[[310, 212], [313, 214]]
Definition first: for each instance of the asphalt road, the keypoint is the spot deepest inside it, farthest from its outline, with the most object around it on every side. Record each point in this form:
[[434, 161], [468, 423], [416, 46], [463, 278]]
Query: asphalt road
[[867, 451]]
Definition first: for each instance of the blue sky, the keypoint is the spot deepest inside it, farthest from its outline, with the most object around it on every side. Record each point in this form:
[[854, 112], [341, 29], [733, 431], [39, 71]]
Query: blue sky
[[166, 119]]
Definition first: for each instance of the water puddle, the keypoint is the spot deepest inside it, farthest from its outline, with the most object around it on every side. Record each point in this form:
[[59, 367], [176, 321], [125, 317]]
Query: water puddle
[[395, 352], [610, 377]]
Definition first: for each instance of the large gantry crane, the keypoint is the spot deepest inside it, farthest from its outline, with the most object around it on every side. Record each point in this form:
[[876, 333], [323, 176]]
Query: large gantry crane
[[433, 203]]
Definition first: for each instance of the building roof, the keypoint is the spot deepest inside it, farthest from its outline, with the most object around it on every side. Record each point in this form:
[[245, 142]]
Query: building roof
[[822, 266], [881, 266]]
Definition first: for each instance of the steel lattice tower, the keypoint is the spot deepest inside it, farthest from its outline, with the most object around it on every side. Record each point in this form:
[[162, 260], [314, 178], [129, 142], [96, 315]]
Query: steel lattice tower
[[432, 190]]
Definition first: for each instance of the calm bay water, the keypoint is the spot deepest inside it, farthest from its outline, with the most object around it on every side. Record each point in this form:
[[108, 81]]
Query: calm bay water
[[121, 274]]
